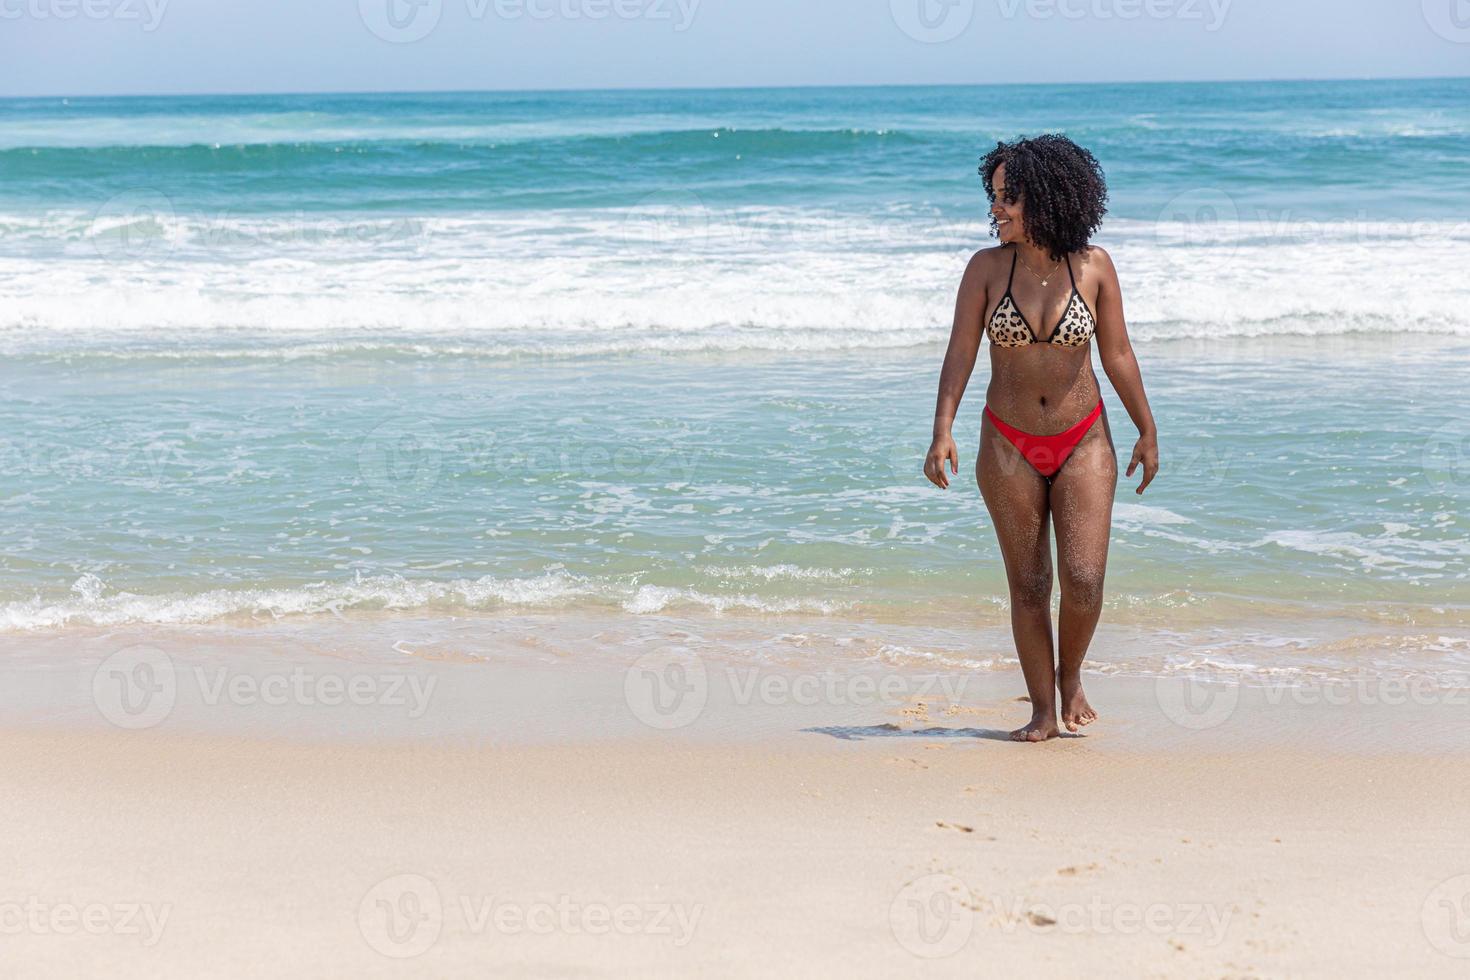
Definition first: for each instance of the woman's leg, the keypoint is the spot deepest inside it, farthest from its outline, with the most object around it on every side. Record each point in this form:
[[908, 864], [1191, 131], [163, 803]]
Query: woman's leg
[[1015, 494], [1082, 513]]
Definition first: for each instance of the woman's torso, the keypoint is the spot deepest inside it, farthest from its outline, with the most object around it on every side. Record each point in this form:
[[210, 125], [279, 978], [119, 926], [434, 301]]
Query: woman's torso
[[1041, 387]]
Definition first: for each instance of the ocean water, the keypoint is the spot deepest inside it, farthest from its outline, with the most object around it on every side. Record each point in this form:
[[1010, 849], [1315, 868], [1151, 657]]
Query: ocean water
[[673, 354]]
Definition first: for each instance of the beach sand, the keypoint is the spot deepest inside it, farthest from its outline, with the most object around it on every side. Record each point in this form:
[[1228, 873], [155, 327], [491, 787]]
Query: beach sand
[[542, 826]]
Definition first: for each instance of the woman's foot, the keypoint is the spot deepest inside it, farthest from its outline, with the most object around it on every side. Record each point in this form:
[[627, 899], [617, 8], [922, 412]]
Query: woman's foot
[[1042, 727], [1076, 712]]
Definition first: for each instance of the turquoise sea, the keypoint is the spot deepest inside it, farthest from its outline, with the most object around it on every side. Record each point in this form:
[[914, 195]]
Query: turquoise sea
[[673, 354]]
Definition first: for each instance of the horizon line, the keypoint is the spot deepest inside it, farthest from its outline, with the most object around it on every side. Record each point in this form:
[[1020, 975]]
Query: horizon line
[[729, 88]]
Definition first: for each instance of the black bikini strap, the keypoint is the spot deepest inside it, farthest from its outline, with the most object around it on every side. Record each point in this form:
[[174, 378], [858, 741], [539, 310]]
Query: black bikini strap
[[1011, 278], [1069, 272]]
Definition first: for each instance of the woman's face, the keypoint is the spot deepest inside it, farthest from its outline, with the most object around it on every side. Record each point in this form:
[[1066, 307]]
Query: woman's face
[[1007, 214]]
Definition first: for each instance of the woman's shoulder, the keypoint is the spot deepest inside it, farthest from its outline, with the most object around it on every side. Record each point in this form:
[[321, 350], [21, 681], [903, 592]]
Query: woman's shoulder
[[1094, 259], [980, 271], [986, 256]]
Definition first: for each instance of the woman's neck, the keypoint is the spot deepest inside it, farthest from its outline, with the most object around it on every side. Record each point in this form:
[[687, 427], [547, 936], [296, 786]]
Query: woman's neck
[[1036, 256]]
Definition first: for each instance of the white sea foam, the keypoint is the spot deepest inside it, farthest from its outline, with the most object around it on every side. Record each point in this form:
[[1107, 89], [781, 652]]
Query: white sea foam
[[1136, 516], [91, 605], [1387, 551], [655, 598], [666, 279], [782, 572]]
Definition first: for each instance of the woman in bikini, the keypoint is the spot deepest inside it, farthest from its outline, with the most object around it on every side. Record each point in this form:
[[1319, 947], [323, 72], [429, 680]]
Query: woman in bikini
[[1046, 455]]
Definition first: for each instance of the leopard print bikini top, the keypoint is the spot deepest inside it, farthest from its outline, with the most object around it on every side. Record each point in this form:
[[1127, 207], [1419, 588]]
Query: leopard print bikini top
[[1008, 328]]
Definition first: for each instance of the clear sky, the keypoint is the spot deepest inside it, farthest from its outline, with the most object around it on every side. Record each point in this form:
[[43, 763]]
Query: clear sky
[[76, 47]]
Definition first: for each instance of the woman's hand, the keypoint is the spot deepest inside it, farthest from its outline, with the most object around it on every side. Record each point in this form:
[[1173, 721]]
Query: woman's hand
[[942, 450], [1145, 451]]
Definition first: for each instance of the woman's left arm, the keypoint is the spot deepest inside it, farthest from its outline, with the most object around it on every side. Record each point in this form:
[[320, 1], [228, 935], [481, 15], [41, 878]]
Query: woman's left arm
[[1121, 366]]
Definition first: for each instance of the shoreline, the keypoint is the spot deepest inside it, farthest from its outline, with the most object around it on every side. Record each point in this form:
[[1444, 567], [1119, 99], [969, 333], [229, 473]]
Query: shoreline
[[1273, 653], [532, 679]]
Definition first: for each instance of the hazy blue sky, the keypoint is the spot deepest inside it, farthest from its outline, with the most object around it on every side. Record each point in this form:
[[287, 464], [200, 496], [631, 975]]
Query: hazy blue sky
[[52, 47]]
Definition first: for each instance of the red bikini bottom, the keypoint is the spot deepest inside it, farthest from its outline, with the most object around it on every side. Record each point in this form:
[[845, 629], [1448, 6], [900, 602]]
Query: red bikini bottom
[[1046, 453]]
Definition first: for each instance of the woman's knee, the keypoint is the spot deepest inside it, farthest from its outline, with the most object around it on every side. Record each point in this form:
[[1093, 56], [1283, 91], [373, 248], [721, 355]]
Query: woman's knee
[[1082, 586], [1031, 589]]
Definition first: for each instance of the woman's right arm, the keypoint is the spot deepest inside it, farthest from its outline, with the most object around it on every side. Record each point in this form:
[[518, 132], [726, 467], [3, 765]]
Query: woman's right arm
[[959, 362]]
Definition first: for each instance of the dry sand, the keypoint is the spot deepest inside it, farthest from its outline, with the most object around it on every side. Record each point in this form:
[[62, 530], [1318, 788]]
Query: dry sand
[[1294, 838]]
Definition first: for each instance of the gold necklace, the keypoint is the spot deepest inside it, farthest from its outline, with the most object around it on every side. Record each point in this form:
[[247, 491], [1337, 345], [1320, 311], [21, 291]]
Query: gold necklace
[[1044, 279]]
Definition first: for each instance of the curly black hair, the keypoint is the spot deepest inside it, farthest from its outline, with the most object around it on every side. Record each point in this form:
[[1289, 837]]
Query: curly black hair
[[1062, 184]]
